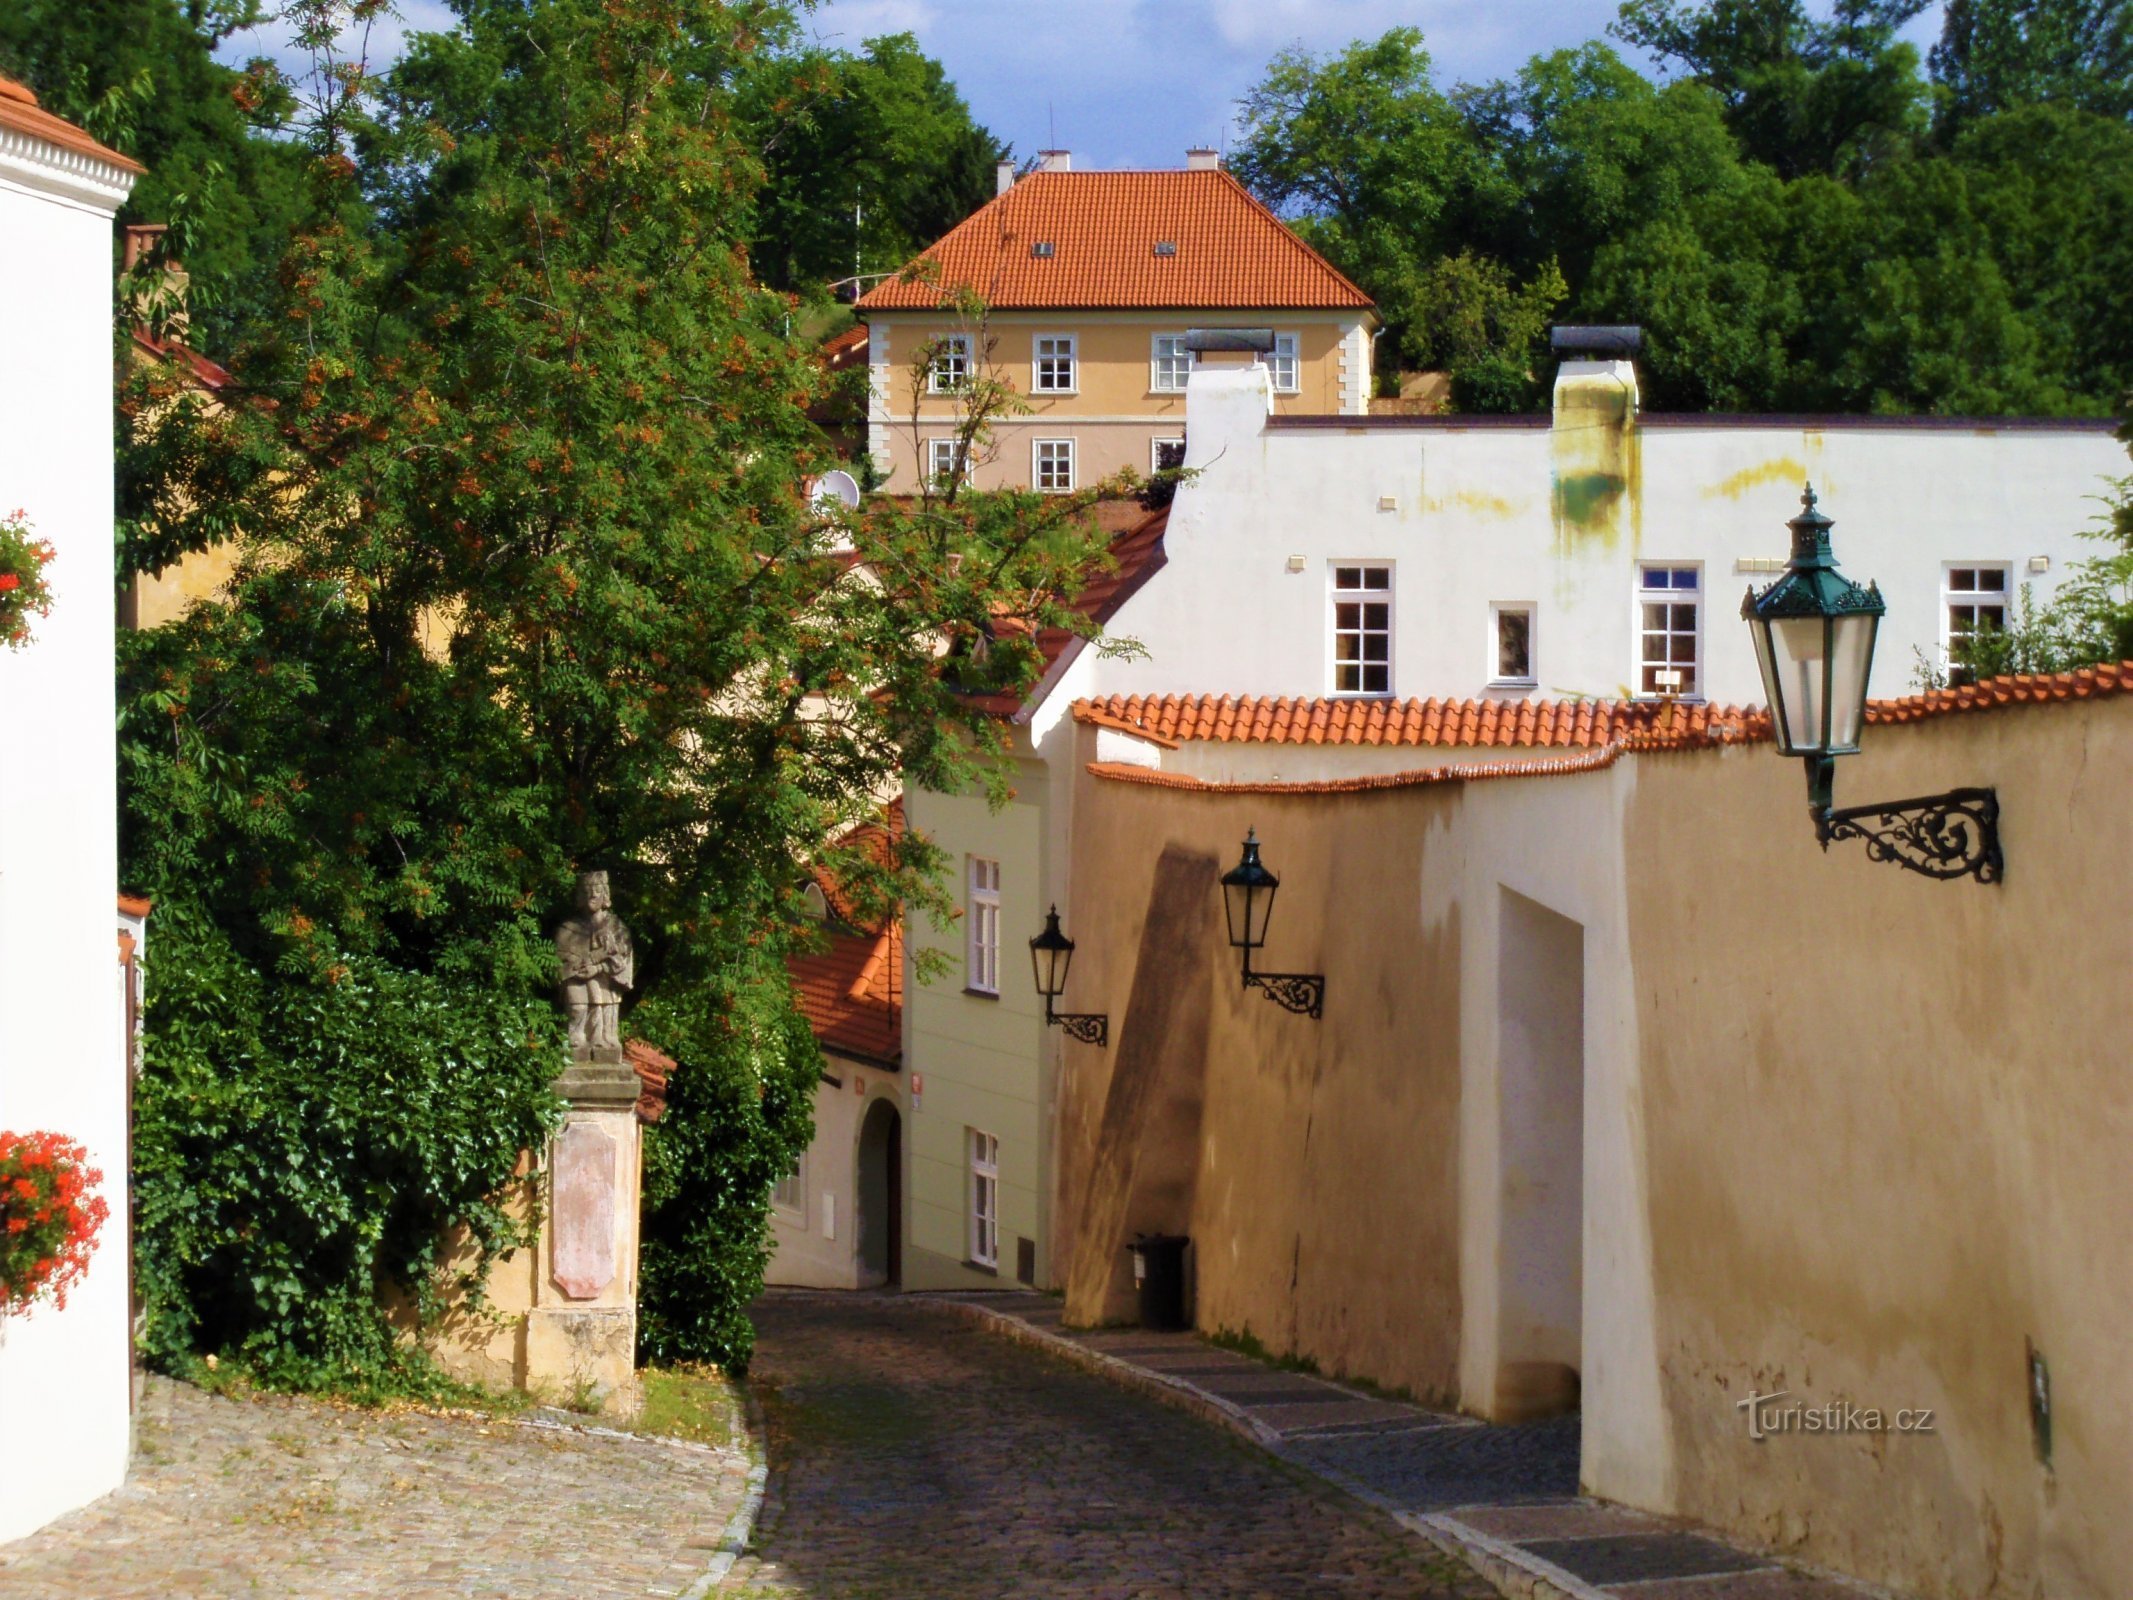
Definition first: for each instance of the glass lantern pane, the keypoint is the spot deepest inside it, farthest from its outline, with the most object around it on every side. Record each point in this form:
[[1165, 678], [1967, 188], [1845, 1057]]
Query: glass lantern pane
[[1236, 906], [1852, 659], [1262, 910], [1761, 632], [1801, 646]]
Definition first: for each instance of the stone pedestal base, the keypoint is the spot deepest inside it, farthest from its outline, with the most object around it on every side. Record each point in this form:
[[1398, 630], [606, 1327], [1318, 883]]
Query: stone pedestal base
[[561, 1318]]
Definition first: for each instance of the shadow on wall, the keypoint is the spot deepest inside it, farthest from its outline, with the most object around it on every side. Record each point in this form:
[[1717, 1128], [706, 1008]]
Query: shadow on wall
[[1148, 1134]]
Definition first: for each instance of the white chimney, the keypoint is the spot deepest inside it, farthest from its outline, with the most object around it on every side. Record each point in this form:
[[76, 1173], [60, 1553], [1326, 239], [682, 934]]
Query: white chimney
[[1201, 159], [1055, 161], [1003, 175]]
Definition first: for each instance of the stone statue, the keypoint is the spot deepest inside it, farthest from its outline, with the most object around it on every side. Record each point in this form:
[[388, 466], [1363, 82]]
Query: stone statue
[[597, 962]]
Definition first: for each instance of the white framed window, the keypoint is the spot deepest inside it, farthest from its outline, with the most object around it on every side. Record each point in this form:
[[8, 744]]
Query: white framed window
[[1169, 363], [1165, 455], [1512, 644], [981, 912], [946, 461], [984, 1198], [789, 1193], [1973, 601], [1362, 627], [1052, 466], [1670, 631], [1054, 367], [1284, 366], [950, 370]]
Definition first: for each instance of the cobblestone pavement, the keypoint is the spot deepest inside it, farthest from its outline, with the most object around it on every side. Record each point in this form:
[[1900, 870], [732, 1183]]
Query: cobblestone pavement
[[1505, 1497], [915, 1455], [291, 1498]]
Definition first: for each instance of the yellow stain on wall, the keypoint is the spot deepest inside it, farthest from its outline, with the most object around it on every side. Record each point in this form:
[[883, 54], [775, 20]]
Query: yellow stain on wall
[[1486, 505], [1785, 469]]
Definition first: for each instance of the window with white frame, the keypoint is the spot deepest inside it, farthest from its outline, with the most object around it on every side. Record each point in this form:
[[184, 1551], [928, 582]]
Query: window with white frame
[[946, 461], [982, 914], [1973, 602], [1283, 366], [789, 1193], [1169, 363], [1054, 361], [1669, 631], [950, 369], [1165, 455], [1053, 469], [1362, 628], [984, 1198], [1511, 636]]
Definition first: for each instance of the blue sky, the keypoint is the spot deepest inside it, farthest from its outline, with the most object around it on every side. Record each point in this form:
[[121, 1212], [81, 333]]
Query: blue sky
[[1132, 83]]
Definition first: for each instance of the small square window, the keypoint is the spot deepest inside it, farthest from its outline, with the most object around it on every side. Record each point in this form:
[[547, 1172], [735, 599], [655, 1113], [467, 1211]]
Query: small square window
[[949, 370], [946, 461], [1513, 645], [1362, 629], [1054, 365], [1054, 466], [1169, 363], [789, 1193], [1166, 455]]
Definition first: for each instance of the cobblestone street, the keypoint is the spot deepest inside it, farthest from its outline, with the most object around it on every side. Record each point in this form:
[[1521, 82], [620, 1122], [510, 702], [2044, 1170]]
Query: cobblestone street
[[290, 1498], [914, 1454]]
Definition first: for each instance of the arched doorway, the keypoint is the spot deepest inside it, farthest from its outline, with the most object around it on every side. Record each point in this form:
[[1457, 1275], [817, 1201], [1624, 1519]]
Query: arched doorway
[[881, 1196]]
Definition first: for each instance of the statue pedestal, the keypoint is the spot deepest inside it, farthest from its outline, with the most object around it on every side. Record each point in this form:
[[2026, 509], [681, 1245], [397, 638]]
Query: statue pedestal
[[580, 1332]]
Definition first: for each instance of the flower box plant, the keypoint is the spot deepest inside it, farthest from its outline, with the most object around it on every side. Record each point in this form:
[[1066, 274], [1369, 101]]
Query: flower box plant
[[23, 590], [49, 1218]]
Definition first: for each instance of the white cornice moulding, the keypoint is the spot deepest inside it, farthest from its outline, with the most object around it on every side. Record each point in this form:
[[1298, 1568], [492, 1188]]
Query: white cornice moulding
[[69, 175]]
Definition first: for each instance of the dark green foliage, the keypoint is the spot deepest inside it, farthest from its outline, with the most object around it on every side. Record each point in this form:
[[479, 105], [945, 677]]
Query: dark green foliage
[[141, 76], [304, 1142], [1778, 219], [527, 586], [867, 159]]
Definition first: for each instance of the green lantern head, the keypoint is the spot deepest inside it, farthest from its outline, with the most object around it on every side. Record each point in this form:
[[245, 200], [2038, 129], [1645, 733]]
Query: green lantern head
[[1814, 639]]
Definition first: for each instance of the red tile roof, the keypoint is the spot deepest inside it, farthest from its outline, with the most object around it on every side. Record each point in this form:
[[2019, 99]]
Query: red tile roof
[[852, 993], [209, 374], [654, 1069], [20, 111], [1638, 726], [1232, 253], [1251, 719], [1138, 555], [848, 348]]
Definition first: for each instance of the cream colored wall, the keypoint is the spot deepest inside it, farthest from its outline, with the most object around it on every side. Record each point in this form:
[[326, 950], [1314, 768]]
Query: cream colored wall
[[983, 1060], [1888, 1123], [816, 1244], [1846, 1132], [1115, 413]]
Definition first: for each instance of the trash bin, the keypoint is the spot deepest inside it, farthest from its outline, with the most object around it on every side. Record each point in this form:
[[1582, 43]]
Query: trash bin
[[1159, 1276]]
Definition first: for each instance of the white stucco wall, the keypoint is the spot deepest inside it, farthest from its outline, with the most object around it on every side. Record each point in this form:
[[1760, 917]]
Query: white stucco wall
[[65, 1378], [815, 1244], [1473, 511]]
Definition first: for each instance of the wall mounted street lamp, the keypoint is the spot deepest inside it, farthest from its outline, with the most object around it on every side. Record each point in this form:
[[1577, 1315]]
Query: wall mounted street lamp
[[1814, 639], [1050, 954], [1248, 898]]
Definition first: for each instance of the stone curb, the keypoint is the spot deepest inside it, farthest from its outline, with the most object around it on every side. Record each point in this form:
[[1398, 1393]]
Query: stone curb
[[740, 1529], [1171, 1391]]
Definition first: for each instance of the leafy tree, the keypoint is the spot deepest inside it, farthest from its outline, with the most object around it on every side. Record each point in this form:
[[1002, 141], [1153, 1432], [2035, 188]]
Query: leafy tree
[[867, 159], [141, 76], [527, 586], [1803, 94], [1996, 55]]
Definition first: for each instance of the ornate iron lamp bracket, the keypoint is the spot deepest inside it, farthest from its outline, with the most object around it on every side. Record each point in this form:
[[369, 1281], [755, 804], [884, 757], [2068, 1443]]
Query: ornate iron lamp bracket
[[1090, 1027], [1301, 992], [1944, 836]]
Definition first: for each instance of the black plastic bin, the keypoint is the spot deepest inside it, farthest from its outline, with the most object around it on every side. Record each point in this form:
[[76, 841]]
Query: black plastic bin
[[1159, 1276]]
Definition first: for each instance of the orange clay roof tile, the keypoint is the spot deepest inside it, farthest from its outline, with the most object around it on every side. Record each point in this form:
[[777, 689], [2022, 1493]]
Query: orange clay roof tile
[[20, 111], [1103, 228], [852, 991]]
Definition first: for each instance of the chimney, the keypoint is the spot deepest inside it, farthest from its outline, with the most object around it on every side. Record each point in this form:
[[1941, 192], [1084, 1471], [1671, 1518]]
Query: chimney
[[160, 305], [1003, 175], [1055, 161], [1201, 159], [1597, 381]]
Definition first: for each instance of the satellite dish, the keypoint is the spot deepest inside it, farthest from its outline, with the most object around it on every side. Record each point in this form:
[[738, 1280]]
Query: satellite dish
[[839, 486]]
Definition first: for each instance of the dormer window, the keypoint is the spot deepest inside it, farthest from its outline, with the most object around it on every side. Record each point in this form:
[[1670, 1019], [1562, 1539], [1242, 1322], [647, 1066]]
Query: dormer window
[[1166, 247], [1043, 249]]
